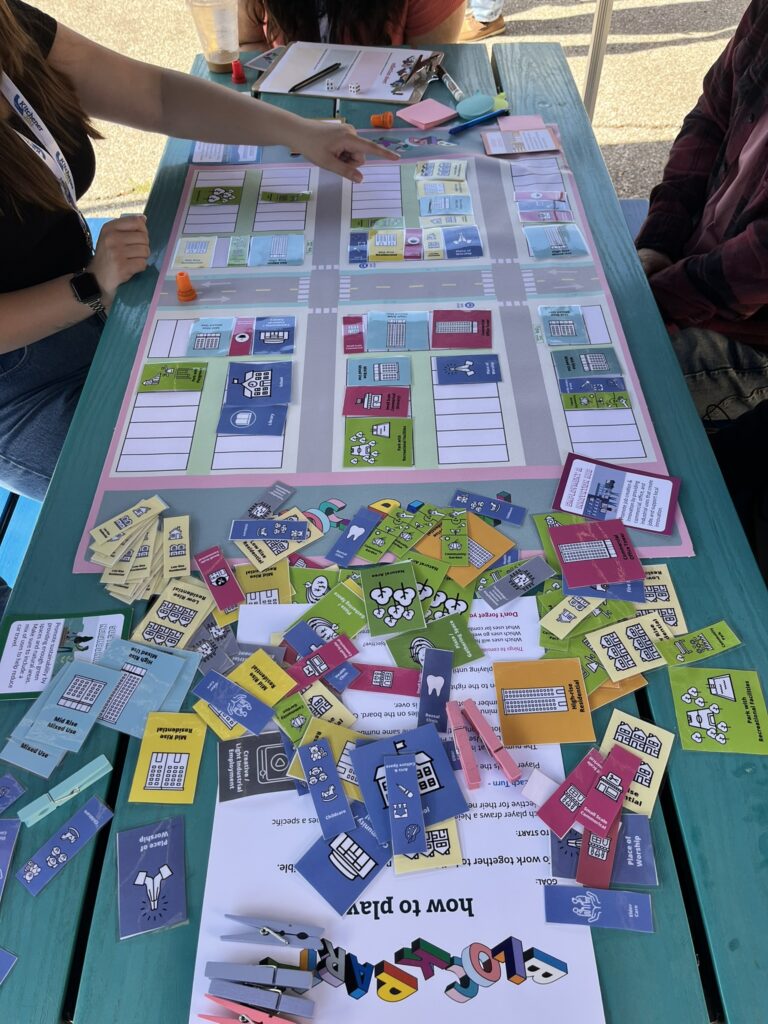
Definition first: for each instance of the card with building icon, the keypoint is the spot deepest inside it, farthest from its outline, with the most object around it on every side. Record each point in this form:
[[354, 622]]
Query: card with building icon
[[169, 760], [652, 744], [542, 702]]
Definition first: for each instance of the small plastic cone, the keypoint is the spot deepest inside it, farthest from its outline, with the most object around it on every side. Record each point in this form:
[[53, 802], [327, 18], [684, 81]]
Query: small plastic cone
[[385, 120], [184, 290], [238, 75]]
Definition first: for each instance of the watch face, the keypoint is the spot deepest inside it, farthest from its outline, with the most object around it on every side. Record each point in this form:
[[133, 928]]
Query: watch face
[[86, 288]]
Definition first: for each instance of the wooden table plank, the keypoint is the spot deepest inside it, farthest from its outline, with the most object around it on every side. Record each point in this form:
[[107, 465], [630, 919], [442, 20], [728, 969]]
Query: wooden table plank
[[722, 801]]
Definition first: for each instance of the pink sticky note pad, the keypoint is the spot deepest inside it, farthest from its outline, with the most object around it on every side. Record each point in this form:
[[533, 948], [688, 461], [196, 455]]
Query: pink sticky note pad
[[520, 122], [559, 812], [427, 114]]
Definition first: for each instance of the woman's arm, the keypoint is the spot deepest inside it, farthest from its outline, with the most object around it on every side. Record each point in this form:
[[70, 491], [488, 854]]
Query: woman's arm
[[155, 99]]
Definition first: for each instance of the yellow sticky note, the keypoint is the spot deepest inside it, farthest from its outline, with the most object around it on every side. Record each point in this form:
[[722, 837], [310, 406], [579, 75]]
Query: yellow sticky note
[[215, 721], [565, 616], [661, 598], [169, 759], [178, 612], [648, 742], [262, 554], [443, 850], [262, 677], [542, 702], [627, 648]]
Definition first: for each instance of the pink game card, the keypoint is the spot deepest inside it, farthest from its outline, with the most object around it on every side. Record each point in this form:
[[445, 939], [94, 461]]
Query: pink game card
[[365, 401], [353, 330], [242, 336], [461, 328], [219, 579], [559, 812], [596, 857], [325, 658], [594, 553], [603, 804], [386, 679]]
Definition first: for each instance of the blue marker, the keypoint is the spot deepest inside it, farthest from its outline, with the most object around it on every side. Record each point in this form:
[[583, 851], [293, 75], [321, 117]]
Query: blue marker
[[478, 120]]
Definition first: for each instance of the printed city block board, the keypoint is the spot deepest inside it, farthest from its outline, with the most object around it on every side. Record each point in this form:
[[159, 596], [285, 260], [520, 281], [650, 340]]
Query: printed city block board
[[393, 338]]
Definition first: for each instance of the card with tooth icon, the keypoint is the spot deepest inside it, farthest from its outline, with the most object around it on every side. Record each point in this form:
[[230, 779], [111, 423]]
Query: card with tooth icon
[[435, 689], [392, 599]]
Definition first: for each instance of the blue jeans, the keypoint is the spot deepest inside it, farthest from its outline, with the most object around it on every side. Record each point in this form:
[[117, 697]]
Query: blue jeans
[[39, 389], [485, 10]]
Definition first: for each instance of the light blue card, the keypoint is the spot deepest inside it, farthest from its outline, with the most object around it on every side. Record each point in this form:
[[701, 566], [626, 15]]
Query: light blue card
[[179, 690], [210, 336], [10, 791], [394, 370], [71, 704], [146, 677], [564, 325], [462, 243], [598, 908], [9, 833], [392, 332], [234, 702], [276, 250], [435, 206], [33, 757], [7, 960], [579, 362], [555, 241]]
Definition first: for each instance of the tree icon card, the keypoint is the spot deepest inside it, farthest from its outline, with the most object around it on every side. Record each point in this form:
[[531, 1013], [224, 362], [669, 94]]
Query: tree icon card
[[392, 599]]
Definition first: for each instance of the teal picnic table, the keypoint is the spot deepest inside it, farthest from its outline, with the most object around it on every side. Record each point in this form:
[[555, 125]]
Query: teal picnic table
[[67, 938]]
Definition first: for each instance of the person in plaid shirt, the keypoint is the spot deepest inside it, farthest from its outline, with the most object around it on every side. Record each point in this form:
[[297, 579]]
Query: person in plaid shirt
[[704, 243]]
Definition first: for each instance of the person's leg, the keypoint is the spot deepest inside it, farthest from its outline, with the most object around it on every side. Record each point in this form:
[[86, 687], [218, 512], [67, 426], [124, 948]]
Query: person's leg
[[482, 20], [39, 389]]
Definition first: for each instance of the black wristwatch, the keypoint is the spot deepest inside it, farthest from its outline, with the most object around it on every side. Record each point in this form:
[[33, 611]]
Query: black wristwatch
[[86, 289]]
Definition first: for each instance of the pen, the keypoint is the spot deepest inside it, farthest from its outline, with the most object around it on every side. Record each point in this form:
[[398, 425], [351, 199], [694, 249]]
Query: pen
[[477, 120], [316, 77]]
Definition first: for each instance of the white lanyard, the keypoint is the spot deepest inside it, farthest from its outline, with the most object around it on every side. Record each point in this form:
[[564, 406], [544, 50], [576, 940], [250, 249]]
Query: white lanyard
[[46, 148]]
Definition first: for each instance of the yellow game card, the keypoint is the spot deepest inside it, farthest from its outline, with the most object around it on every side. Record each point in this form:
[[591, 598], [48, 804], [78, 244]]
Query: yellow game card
[[175, 546], [270, 586], [609, 691], [650, 743], [216, 723], [628, 648], [443, 850], [565, 616], [169, 759], [661, 598], [486, 546], [262, 677], [542, 702], [323, 703], [128, 519], [342, 741], [141, 567], [262, 554], [178, 612]]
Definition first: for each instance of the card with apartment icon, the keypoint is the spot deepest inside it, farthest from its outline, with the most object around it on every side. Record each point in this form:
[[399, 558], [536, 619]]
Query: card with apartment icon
[[542, 702], [169, 760], [652, 745]]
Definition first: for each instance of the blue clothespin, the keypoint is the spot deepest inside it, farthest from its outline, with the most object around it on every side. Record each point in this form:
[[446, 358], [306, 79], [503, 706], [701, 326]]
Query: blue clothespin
[[66, 790], [267, 932]]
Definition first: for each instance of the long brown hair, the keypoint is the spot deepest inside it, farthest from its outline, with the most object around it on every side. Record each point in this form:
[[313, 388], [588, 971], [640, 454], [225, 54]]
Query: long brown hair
[[358, 22], [23, 176]]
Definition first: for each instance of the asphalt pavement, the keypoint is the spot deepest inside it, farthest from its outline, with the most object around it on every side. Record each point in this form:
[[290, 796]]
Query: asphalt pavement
[[658, 51]]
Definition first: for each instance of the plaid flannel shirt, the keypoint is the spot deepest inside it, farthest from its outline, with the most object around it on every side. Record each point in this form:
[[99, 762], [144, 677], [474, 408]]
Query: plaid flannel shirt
[[725, 289]]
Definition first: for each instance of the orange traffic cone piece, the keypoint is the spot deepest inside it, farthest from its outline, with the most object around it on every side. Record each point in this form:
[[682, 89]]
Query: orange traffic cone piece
[[385, 120], [184, 290]]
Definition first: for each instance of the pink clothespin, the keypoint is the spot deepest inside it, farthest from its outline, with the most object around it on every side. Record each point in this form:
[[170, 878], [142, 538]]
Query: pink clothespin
[[458, 724], [245, 1014], [491, 740]]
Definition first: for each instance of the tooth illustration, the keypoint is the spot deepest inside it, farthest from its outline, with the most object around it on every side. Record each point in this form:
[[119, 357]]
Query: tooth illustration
[[355, 532], [435, 685]]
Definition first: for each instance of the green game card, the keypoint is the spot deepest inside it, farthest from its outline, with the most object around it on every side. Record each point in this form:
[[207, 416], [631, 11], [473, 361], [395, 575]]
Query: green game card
[[342, 610], [378, 442], [414, 526], [450, 599], [392, 599], [309, 585], [238, 251], [228, 195], [293, 716], [593, 672], [699, 645], [172, 377], [381, 538], [720, 710], [596, 401], [454, 537], [543, 521], [429, 575], [285, 197], [448, 634]]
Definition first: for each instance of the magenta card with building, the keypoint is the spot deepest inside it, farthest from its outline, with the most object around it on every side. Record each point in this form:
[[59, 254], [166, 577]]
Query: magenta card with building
[[560, 810], [461, 328], [596, 857], [364, 401], [219, 579], [353, 330], [387, 679], [604, 801], [595, 553]]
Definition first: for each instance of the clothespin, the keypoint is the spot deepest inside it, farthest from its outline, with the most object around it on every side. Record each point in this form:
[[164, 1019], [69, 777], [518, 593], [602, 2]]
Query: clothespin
[[270, 999], [276, 933], [244, 1014], [458, 724], [491, 740], [65, 791], [264, 975]]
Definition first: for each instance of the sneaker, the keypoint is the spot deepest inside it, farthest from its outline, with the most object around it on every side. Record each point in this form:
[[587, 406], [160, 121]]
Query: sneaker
[[472, 31]]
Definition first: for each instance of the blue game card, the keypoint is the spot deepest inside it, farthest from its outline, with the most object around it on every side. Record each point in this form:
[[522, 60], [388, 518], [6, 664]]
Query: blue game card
[[151, 877], [340, 869], [70, 705], [357, 533], [588, 385], [9, 833], [495, 508], [210, 336], [581, 362], [276, 250], [274, 335], [440, 793], [259, 383], [598, 908], [341, 676], [233, 701], [268, 529], [406, 817], [392, 371], [462, 243], [10, 791], [564, 853], [302, 639], [63, 845], [631, 590], [474, 368], [635, 863], [435, 689], [7, 960], [267, 420], [556, 241], [146, 677], [325, 788]]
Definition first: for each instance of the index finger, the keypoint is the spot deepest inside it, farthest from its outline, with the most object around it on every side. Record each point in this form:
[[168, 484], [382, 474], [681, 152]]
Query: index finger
[[357, 144]]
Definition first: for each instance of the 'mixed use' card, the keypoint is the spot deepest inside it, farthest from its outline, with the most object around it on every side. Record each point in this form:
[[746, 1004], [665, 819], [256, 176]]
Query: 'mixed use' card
[[542, 702], [720, 710], [627, 648], [598, 908], [652, 745], [595, 552], [151, 877], [169, 760]]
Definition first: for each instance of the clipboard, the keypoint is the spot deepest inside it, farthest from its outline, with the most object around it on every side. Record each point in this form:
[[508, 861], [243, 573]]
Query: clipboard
[[383, 74]]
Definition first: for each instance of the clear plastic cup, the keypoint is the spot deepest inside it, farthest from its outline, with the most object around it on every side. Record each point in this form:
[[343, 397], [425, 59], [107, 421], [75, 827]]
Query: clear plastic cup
[[216, 24]]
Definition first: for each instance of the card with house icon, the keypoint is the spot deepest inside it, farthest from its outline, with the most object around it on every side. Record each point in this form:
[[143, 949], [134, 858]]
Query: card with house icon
[[652, 744]]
